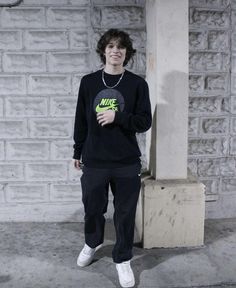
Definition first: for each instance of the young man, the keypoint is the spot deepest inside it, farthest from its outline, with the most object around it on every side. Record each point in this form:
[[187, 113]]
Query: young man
[[113, 104]]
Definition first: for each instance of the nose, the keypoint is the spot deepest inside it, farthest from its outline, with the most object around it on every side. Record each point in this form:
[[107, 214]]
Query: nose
[[115, 49]]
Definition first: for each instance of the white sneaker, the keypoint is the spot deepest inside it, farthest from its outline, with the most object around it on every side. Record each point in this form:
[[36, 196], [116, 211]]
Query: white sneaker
[[126, 275], [86, 255]]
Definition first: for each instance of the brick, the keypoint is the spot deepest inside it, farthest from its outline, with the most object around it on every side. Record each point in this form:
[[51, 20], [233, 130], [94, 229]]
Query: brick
[[63, 106], [75, 84], [1, 150], [193, 126], [10, 40], [79, 39], [46, 40], [207, 147], [23, 18], [65, 192], [12, 129], [50, 128], [197, 40], [216, 83], [67, 17], [12, 84], [207, 61], [68, 62], [45, 2], [204, 105], [208, 18], [24, 62], [26, 106], [74, 174], [228, 185], [218, 40], [11, 172], [208, 167], [46, 171], [139, 38], [26, 193], [233, 125], [16, 150], [196, 83], [119, 16], [49, 84], [227, 167], [212, 185], [215, 125], [62, 150]]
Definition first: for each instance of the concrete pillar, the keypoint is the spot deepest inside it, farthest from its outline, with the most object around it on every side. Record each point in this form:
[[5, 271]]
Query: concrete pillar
[[171, 208]]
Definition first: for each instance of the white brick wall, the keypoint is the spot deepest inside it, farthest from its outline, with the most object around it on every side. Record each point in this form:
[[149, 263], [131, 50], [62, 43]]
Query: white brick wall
[[46, 46]]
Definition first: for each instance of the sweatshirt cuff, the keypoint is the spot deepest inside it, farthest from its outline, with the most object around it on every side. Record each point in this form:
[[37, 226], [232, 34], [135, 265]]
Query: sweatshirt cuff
[[76, 155]]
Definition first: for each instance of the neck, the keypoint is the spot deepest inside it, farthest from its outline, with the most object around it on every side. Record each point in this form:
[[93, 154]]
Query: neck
[[114, 69]]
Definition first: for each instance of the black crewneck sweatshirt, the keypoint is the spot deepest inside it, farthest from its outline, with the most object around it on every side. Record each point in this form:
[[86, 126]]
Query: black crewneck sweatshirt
[[115, 144]]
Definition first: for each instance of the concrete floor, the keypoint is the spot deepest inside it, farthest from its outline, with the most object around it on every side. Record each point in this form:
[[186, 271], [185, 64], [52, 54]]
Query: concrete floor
[[43, 255]]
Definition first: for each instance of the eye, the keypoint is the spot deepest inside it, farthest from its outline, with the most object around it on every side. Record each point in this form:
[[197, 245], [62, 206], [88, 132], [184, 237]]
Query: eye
[[110, 46]]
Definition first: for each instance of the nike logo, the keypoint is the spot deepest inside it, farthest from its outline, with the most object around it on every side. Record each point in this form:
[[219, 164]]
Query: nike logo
[[107, 104]]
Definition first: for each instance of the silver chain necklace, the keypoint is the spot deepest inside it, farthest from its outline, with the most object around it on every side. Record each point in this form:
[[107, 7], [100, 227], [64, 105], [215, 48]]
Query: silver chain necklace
[[111, 87]]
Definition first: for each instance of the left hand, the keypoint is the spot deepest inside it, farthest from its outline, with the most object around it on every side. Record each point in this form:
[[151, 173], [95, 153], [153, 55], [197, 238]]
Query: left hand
[[106, 117]]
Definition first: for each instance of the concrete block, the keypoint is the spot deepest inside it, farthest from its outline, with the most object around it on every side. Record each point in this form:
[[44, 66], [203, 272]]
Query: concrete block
[[197, 40], [22, 150], [49, 84], [217, 125], [2, 196], [193, 126], [204, 105], [232, 147], [119, 16], [68, 17], [216, 83], [74, 174], [46, 40], [12, 85], [24, 62], [68, 62], [79, 39], [192, 166], [228, 185], [23, 18], [209, 167], [26, 106], [205, 61], [209, 18], [196, 83], [207, 147], [140, 63], [212, 186], [45, 2], [50, 128], [218, 40], [13, 129], [78, 2], [233, 62], [209, 3], [233, 125], [65, 192], [30, 193], [227, 167], [233, 38], [167, 210], [10, 40], [11, 172], [113, 2], [2, 150], [61, 150], [1, 107], [46, 171], [60, 106], [75, 84]]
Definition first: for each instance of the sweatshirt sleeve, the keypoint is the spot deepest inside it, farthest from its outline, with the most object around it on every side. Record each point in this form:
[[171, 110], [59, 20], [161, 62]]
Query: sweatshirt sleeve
[[80, 126], [141, 118]]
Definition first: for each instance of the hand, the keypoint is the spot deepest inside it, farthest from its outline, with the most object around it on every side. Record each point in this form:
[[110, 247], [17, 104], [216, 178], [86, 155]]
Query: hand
[[106, 117], [77, 164]]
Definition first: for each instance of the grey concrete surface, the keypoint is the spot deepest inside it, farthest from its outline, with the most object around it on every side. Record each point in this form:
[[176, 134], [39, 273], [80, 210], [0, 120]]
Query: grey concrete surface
[[43, 255]]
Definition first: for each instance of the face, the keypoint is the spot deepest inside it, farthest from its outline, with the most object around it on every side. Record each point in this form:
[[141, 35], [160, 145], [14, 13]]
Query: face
[[115, 53]]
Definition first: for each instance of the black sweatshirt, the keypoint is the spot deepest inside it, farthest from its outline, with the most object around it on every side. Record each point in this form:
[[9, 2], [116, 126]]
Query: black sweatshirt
[[115, 144]]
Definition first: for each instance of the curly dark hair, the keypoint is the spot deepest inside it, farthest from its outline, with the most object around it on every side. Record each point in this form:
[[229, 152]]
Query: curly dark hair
[[124, 40]]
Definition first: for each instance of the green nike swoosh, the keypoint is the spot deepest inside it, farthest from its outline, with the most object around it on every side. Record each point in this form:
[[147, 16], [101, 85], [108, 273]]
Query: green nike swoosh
[[104, 108]]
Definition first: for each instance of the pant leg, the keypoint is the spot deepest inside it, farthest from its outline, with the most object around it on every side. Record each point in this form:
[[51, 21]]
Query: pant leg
[[94, 184], [125, 185]]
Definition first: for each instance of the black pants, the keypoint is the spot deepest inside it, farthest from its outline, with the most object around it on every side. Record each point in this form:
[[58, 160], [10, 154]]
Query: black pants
[[125, 185]]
